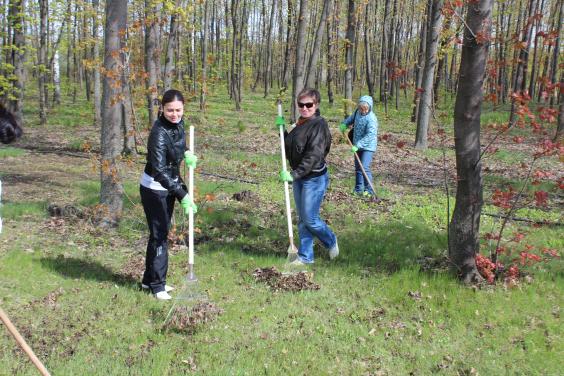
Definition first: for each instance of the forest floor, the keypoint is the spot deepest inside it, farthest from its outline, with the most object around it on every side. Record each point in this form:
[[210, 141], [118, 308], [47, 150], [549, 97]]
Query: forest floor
[[388, 305]]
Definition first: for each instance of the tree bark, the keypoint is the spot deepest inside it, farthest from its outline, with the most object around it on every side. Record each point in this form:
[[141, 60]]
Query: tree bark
[[96, 58], [465, 224], [18, 58], [152, 58], [203, 85], [349, 44], [111, 188], [313, 62], [426, 99], [298, 78], [169, 71], [42, 61], [268, 57]]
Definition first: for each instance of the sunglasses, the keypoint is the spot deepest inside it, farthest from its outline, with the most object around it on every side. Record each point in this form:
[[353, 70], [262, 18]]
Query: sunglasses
[[307, 105]]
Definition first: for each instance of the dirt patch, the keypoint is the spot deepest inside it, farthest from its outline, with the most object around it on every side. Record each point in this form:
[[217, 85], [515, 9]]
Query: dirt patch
[[280, 282], [186, 320]]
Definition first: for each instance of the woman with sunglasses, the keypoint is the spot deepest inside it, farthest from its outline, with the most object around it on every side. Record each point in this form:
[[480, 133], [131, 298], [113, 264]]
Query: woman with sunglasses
[[307, 145]]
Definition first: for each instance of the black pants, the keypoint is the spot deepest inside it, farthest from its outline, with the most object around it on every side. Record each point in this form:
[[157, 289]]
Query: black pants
[[158, 206]]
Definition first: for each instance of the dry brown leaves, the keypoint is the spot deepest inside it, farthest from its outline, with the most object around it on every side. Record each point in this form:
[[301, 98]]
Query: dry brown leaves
[[134, 267], [279, 282], [187, 320]]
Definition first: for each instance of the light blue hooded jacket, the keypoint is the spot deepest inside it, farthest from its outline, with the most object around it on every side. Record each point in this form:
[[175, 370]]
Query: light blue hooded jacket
[[365, 136]]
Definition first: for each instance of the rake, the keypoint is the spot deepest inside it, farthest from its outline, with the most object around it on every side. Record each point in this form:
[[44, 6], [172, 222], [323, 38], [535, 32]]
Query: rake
[[191, 291], [292, 250]]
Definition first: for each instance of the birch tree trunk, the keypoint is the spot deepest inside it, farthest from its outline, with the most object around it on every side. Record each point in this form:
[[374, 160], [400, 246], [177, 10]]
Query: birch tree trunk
[[465, 224], [111, 188]]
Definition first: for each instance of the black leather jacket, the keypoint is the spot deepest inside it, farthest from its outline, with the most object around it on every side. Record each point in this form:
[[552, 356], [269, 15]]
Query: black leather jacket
[[165, 152], [307, 145]]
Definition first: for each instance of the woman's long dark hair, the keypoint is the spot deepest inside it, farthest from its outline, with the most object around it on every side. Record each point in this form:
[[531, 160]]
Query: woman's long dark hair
[[10, 130]]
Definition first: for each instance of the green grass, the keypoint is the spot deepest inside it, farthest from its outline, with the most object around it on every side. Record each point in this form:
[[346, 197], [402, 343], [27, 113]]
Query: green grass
[[9, 151], [378, 310]]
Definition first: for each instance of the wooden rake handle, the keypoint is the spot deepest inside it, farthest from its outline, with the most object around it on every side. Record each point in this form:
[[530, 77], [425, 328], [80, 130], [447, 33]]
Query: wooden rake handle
[[360, 164], [21, 341]]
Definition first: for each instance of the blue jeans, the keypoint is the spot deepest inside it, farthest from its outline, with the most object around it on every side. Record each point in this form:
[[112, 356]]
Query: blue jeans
[[361, 185], [308, 195]]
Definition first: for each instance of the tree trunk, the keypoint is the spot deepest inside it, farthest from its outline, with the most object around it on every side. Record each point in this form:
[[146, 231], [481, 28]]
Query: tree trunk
[[111, 188], [18, 58], [96, 58], [426, 99], [332, 30], [298, 79], [349, 44], [152, 58], [367, 55], [313, 62], [560, 126], [288, 47], [465, 224], [203, 86], [420, 63], [42, 61], [169, 71], [268, 62], [519, 84]]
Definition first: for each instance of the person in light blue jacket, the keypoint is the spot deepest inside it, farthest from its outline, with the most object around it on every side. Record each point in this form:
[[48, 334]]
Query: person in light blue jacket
[[365, 142]]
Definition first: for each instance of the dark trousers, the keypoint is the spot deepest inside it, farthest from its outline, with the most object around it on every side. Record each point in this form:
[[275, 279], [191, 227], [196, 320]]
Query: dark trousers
[[158, 206]]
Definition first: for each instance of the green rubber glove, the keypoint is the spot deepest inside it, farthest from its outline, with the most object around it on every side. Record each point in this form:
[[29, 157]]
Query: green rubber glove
[[285, 176], [190, 159], [280, 122], [343, 127], [354, 149], [187, 203]]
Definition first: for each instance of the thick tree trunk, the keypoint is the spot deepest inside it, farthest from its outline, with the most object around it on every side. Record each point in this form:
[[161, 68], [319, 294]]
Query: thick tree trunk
[[426, 99], [349, 44], [298, 79], [288, 47], [111, 188], [465, 224], [152, 58], [313, 62], [367, 53]]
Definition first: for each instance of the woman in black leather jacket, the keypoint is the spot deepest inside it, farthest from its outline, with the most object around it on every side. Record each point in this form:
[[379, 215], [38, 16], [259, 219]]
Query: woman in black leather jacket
[[306, 146], [161, 185]]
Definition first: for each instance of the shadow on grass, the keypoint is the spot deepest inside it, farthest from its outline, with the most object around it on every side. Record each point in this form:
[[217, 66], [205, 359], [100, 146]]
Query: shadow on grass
[[391, 246], [71, 267]]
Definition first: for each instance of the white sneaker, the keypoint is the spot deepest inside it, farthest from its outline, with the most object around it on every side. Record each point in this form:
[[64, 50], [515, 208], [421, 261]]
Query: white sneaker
[[162, 295], [167, 287], [334, 252]]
